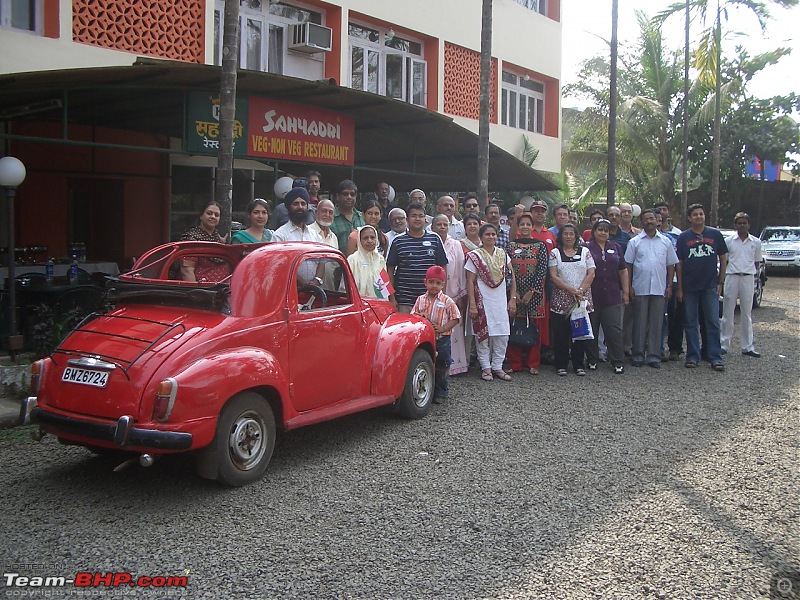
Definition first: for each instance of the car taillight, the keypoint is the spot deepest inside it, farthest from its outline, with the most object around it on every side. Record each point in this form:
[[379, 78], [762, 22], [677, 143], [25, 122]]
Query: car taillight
[[36, 376], [165, 399]]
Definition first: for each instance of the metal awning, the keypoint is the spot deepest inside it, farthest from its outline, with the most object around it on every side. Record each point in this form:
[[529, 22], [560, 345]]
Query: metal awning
[[406, 144]]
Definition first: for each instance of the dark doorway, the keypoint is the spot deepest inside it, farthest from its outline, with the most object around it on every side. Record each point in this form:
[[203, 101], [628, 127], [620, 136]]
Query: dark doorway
[[95, 218]]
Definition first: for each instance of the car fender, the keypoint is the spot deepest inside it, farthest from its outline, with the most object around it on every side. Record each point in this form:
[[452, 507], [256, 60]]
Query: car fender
[[208, 383], [400, 336]]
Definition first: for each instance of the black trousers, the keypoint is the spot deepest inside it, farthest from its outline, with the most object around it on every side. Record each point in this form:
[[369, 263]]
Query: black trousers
[[563, 346]]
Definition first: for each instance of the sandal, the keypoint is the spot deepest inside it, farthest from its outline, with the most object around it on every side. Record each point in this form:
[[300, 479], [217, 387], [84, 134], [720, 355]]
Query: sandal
[[690, 364], [487, 376], [533, 371], [502, 375], [718, 367]]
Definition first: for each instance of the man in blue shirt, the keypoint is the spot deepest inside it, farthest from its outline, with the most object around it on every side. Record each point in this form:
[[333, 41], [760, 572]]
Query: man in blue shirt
[[701, 273], [561, 216]]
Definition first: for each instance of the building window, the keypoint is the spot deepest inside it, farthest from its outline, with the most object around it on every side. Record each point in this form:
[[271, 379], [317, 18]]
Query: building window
[[523, 102], [263, 30], [24, 15], [539, 6], [384, 63]]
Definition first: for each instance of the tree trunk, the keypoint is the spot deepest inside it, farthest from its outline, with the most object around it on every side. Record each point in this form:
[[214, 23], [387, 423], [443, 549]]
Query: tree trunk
[[485, 96], [685, 174], [611, 175], [223, 189], [717, 124]]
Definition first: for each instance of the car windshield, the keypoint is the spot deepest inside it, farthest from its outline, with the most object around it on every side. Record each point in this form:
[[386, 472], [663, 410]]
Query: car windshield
[[781, 234]]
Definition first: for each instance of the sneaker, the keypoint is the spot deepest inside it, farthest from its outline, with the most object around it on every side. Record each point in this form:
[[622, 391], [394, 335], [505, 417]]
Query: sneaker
[[673, 355], [664, 357], [562, 372], [580, 372], [637, 363], [592, 366], [619, 370]]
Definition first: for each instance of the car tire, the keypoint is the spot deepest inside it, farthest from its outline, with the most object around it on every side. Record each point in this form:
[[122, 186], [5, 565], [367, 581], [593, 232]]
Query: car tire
[[759, 293], [245, 439], [417, 397]]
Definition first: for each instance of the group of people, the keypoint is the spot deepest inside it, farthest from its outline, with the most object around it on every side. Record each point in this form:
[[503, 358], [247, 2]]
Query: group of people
[[472, 278]]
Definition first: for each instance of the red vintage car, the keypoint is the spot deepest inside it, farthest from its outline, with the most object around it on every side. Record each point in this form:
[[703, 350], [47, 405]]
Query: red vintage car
[[279, 337]]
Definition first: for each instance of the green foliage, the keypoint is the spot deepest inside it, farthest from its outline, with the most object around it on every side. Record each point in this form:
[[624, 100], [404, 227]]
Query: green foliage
[[650, 124]]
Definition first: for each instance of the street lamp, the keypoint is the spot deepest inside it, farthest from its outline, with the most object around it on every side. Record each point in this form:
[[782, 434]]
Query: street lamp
[[12, 174]]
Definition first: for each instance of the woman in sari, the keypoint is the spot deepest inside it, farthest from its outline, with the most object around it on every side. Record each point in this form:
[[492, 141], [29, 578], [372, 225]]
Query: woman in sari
[[200, 268], [366, 263], [258, 212], [529, 261], [456, 288], [487, 268], [472, 224]]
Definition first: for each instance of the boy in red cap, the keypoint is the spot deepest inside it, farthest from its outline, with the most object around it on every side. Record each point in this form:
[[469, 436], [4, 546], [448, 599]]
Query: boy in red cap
[[442, 312]]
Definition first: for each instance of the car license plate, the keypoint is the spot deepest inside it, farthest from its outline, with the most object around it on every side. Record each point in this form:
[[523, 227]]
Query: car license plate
[[85, 376]]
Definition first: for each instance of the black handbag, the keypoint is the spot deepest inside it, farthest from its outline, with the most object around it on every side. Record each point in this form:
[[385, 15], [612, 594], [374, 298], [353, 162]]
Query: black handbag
[[524, 332]]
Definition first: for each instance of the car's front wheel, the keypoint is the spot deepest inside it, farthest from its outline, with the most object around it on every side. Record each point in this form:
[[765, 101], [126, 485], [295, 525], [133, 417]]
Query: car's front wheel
[[417, 396], [245, 439], [759, 293]]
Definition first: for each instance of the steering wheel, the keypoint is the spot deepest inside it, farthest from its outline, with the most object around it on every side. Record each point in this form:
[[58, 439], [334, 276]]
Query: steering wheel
[[315, 291]]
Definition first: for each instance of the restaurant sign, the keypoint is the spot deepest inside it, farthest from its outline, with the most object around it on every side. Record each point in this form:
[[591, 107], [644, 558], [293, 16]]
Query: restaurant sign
[[202, 131], [301, 133]]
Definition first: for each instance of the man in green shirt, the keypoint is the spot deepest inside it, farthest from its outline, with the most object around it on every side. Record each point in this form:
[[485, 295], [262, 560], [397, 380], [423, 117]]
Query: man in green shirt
[[346, 218]]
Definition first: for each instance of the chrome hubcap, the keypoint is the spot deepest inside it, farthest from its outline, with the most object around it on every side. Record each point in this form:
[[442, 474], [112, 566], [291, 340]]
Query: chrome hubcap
[[422, 385], [246, 441]]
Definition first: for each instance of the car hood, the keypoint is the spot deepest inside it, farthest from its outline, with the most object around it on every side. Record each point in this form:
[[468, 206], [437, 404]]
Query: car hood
[[780, 245]]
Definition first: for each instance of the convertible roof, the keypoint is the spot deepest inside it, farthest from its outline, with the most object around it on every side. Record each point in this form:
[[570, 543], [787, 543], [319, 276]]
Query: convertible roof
[[410, 145]]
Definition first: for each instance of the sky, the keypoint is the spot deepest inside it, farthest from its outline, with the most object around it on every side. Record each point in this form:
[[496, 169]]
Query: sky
[[585, 22]]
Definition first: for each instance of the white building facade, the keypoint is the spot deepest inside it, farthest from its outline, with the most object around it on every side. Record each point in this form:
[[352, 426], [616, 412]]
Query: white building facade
[[419, 51]]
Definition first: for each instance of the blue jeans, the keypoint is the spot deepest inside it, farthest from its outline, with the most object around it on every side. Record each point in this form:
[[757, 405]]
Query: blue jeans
[[709, 301], [443, 362]]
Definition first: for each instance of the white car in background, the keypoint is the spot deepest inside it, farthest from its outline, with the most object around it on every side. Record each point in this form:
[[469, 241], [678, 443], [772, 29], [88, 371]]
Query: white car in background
[[780, 246]]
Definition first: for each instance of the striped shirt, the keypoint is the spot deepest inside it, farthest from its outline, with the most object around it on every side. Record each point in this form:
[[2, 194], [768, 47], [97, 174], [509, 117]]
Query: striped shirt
[[411, 257], [439, 310]]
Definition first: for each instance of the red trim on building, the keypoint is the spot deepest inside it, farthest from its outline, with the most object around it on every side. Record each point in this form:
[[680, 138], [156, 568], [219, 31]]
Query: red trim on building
[[52, 19]]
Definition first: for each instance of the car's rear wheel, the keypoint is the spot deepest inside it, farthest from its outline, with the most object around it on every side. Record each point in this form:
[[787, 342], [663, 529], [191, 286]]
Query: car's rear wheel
[[417, 397], [245, 439]]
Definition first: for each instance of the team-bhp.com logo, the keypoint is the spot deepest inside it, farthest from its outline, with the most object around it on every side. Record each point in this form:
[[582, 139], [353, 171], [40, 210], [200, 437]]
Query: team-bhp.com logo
[[95, 580]]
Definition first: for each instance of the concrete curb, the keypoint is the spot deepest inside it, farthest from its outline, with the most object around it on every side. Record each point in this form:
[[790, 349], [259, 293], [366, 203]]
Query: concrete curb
[[9, 412]]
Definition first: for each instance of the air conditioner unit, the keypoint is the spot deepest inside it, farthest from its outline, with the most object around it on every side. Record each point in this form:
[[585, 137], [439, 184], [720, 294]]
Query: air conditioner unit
[[310, 37]]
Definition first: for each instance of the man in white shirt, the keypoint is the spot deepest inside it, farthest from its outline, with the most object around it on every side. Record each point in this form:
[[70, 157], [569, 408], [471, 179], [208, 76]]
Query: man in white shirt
[[296, 230], [447, 206], [744, 256], [322, 225], [651, 260]]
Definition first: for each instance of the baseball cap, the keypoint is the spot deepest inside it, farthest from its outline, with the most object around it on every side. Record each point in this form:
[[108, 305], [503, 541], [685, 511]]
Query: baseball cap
[[538, 204]]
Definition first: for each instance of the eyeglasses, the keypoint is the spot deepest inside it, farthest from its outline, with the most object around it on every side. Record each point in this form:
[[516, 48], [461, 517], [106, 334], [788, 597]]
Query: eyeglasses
[[470, 206]]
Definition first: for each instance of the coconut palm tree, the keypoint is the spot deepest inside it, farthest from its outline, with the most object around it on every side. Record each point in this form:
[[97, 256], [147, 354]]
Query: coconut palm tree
[[708, 59], [648, 127]]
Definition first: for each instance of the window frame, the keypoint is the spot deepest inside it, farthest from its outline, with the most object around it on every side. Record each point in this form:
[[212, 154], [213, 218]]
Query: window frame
[[7, 17], [518, 93], [268, 62], [410, 61], [537, 6]]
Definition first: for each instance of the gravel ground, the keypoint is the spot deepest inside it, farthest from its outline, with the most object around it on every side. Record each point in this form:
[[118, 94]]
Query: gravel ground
[[656, 484]]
